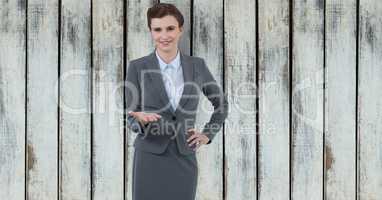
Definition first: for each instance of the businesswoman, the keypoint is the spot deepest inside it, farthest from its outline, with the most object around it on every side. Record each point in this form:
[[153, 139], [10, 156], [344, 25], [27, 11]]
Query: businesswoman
[[162, 95]]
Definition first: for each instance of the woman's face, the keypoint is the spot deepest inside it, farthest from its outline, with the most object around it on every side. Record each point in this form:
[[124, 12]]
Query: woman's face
[[166, 33]]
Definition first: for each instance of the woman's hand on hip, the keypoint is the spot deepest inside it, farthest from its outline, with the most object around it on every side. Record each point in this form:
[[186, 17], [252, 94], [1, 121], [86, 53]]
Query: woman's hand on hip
[[196, 138], [145, 118]]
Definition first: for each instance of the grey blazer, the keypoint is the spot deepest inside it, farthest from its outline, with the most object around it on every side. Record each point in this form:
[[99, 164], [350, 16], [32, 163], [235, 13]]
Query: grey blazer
[[145, 91]]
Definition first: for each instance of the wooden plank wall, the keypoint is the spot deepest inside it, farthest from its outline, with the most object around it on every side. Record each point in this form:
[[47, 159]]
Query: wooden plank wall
[[274, 91], [369, 103], [307, 136], [42, 113], [12, 99], [340, 111], [107, 92], [75, 149], [303, 78], [240, 84]]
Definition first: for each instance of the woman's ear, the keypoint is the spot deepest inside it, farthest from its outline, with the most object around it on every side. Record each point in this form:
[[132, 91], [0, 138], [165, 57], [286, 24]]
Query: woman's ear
[[181, 31]]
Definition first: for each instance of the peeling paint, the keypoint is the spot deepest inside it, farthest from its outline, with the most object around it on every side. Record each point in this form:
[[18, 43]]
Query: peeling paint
[[369, 33], [37, 13], [336, 13], [319, 4], [31, 157], [328, 158], [21, 4], [5, 22]]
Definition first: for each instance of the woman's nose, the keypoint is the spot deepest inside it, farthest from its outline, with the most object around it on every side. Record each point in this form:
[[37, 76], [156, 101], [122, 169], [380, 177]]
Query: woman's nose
[[164, 35]]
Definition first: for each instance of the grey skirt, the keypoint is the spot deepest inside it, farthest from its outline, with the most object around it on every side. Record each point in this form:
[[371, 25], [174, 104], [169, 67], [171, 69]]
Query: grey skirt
[[166, 176]]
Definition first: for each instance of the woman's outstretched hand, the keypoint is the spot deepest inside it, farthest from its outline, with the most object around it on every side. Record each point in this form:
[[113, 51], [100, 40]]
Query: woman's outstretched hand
[[145, 118], [196, 139]]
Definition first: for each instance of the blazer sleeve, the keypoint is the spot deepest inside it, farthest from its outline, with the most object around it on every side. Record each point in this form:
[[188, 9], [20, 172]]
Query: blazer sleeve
[[218, 99], [133, 98]]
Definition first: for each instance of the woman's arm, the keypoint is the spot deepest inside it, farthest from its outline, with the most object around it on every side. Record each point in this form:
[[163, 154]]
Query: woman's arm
[[216, 96], [133, 98]]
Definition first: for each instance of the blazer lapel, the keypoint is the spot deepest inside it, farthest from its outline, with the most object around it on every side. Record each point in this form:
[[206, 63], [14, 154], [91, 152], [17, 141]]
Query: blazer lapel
[[188, 76], [156, 79]]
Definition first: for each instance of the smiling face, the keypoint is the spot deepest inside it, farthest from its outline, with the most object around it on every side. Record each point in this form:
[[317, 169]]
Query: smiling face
[[166, 33]]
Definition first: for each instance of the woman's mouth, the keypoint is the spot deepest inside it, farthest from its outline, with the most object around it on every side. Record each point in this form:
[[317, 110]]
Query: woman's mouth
[[165, 43]]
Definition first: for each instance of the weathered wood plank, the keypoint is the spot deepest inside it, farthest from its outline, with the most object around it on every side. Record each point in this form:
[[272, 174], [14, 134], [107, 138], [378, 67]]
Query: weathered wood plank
[[370, 101], [42, 132], [340, 143], [274, 99], [208, 44], [12, 99], [139, 43], [240, 131], [108, 143], [185, 9], [75, 100], [307, 100]]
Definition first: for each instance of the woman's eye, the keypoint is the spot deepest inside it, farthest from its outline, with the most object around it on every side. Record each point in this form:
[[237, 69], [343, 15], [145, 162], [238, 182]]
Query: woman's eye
[[157, 30], [170, 29]]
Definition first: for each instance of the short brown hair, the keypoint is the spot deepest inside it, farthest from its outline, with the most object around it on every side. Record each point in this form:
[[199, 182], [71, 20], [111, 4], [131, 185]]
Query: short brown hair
[[160, 10]]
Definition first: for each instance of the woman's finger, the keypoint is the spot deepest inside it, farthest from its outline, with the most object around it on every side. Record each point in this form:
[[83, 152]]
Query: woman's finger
[[132, 113], [198, 144], [151, 118], [157, 117], [154, 116], [194, 141], [191, 137]]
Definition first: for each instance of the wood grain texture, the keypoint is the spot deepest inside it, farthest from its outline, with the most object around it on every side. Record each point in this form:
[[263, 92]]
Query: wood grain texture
[[307, 100], [274, 102], [334, 148], [240, 130], [75, 85], [369, 100], [42, 85], [184, 7], [12, 99], [340, 100], [108, 143], [139, 43], [208, 44]]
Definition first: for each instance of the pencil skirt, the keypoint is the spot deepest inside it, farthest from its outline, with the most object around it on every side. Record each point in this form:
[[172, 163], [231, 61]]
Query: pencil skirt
[[166, 176]]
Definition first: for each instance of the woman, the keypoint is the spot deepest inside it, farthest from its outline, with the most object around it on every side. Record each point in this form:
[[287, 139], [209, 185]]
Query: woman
[[162, 98]]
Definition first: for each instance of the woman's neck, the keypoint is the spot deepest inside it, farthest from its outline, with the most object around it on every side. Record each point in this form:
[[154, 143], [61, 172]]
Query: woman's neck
[[167, 57]]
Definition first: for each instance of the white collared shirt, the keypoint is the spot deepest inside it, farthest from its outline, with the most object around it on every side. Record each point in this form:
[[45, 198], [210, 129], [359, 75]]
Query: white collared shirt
[[174, 88]]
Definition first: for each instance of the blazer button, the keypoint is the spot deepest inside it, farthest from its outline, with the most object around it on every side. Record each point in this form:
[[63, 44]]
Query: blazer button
[[174, 118]]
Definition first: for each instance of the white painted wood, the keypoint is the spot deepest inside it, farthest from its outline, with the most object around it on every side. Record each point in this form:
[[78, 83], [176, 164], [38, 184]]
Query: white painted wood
[[274, 95], [307, 100], [108, 143], [75, 149], [185, 8], [240, 128], [12, 99], [42, 85], [208, 44], [340, 97], [336, 171], [139, 43], [369, 100]]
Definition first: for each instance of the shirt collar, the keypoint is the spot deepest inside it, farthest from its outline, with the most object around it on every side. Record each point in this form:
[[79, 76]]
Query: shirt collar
[[175, 62]]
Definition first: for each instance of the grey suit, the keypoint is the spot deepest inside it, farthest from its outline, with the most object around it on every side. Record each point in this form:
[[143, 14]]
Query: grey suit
[[165, 167], [145, 91]]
